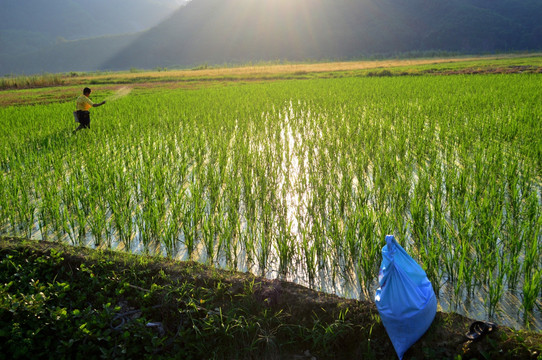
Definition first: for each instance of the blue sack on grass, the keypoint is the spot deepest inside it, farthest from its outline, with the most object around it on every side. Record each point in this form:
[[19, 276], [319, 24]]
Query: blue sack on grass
[[405, 299]]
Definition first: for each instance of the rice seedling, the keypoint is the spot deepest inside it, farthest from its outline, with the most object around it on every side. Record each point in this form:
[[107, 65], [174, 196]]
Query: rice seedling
[[298, 179]]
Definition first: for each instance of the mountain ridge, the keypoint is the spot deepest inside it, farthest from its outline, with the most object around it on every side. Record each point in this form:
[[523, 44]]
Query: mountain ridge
[[242, 31]]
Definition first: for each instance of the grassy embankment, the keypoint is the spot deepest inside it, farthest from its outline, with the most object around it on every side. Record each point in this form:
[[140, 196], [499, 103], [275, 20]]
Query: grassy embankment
[[59, 301], [47, 88], [271, 71]]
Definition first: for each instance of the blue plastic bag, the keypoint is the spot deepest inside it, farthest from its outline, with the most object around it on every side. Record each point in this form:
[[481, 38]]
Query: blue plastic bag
[[405, 299]]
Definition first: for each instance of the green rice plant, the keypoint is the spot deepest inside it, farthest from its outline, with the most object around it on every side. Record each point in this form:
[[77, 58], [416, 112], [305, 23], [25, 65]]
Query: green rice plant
[[248, 246], [120, 204], [284, 247], [82, 217], [69, 223], [44, 206], [79, 203], [531, 270], [531, 291], [431, 261], [318, 235], [294, 176], [368, 264], [336, 248], [43, 221], [351, 239], [308, 251], [262, 250], [495, 286], [188, 232], [97, 221], [25, 205], [193, 219], [210, 229], [229, 241], [232, 227], [173, 227], [418, 210], [4, 204], [55, 211]]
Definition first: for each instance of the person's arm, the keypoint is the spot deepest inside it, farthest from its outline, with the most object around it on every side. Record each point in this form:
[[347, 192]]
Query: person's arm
[[98, 104]]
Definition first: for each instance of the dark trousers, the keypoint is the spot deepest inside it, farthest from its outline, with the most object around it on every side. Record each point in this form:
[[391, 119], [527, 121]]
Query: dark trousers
[[84, 119]]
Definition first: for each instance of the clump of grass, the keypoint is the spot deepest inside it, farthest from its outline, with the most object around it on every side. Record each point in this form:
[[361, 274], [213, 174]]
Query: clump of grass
[[62, 301], [30, 81], [78, 299]]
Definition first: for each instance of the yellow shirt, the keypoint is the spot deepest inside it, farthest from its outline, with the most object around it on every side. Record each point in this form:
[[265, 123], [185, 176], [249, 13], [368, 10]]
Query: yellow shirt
[[84, 103]]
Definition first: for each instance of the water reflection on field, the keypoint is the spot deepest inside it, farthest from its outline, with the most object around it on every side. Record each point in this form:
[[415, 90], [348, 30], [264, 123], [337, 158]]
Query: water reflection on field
[[303, 182]]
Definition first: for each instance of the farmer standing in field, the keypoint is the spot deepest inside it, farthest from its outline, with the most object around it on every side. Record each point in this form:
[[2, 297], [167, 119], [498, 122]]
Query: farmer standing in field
[[83, 106]]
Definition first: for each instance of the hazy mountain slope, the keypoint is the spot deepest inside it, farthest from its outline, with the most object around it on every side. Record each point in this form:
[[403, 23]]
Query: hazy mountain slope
[[84, 55], [29, 25], [75, 19], [219, 31]]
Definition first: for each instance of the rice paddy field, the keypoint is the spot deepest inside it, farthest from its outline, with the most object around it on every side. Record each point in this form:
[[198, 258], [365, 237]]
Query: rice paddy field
[[299, 180]]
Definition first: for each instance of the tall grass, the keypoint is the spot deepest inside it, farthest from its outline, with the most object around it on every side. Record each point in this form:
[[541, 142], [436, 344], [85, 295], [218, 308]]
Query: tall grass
[[30, 81]]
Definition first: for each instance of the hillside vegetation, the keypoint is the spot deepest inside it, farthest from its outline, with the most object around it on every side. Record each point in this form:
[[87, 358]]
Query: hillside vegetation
[[239, 31], [24, 30]]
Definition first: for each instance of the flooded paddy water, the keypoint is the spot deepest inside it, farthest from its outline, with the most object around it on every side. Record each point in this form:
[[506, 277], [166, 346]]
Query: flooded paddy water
[[302, 181]]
